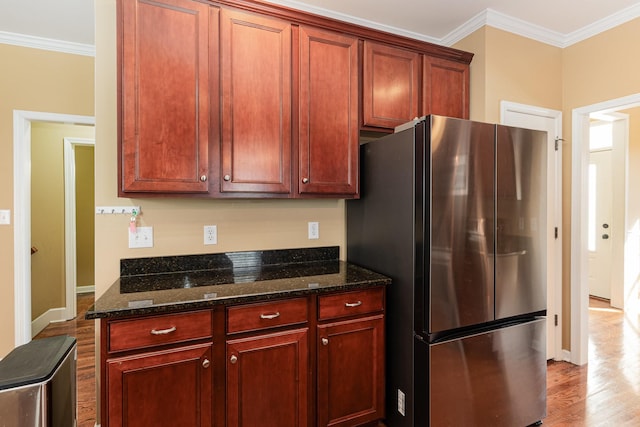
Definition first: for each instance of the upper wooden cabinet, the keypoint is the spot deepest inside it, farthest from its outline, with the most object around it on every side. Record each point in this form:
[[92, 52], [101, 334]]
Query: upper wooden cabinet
[[390, 85], [164, 91], [328, 113], [230, 98], [399, 85], [256, 103], [445, 88]]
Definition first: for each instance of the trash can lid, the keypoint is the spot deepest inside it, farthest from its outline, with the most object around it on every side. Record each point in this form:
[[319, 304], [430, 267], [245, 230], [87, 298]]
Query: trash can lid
[[35, 361]]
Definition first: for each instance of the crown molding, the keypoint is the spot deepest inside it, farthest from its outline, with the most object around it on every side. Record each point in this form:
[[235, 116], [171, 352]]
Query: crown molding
[[604, 24], [62, 46], [492, 18], [355, 20], [523, 28]]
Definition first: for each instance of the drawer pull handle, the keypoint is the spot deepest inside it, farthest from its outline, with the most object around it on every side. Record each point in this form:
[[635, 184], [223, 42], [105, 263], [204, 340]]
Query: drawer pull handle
[[353, 304], [325, 341], [233, 359], [206, 363], [270, 316], [163, 331]]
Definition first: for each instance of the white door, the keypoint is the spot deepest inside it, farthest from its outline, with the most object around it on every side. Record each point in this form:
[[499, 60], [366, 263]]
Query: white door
[[599, 224], [550, 121]]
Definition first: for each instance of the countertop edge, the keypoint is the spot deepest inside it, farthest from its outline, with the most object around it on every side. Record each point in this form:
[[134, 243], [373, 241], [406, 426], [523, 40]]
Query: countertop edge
[[205, 304]]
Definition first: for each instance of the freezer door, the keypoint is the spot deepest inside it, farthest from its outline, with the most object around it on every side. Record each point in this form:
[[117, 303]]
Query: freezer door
[[461, 285], [521, 216], [494, 379]]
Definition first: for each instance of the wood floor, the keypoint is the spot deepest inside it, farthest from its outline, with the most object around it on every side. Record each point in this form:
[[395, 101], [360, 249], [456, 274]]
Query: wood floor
[[606, 392]]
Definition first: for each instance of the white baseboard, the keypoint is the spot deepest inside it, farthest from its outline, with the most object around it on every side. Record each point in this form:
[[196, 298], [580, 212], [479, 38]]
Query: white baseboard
[[85, 289], [51, 315], [566, 355]]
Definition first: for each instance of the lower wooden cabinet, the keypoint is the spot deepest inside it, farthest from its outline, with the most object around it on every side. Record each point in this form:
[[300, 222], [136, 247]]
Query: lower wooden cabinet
[[164, 388], [351, 372], [268, 380], [315, 360]]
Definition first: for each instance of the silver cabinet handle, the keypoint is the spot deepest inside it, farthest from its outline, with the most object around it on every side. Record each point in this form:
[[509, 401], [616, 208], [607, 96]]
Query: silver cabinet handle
[[203, 178], [206, 363], [353, 304], [325, 341], [305, 180], [233, 359], [163, 331], [227, 177], [270, 316]]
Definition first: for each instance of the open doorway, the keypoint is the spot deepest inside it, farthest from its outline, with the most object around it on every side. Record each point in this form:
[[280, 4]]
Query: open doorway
[[625, 269], [23, 121], [608, 151], [62, 215]]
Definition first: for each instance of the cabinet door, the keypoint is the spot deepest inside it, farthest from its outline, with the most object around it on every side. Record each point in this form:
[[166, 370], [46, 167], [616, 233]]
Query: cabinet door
[[267, 380], [351, 372], [160, 388], [390, 85], [445, 88], [256, 104], [164, 95], [328, 113]]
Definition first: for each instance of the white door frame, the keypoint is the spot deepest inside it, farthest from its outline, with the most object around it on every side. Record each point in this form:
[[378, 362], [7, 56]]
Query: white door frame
[[554, 270], [579, 191], [22, 211], [70, 250]]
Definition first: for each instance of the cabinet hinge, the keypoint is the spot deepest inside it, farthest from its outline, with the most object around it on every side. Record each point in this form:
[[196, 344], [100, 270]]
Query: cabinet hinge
[[555, 232], [555, 320]]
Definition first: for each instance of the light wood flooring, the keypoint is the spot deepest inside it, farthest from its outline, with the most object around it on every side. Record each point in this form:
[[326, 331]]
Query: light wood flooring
[[606, 392]]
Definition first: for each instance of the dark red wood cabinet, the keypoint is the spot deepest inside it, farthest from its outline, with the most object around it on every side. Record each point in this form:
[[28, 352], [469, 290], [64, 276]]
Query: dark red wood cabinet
[[390, 85], [160, 388], [351, 361], [164, 88], [351, 372], [445, 88], [249, 99], [291, 362], [256, 104], [268, 380], [328, 138]]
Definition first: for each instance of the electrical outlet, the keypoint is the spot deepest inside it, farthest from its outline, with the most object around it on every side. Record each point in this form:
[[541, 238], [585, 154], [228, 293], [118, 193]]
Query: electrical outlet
[[142, 238], [5, 216], [210, 235], [314, 230], [401, 402]]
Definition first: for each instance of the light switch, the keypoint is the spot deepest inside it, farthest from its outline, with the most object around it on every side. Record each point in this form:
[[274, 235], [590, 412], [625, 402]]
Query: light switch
[[5, 216]]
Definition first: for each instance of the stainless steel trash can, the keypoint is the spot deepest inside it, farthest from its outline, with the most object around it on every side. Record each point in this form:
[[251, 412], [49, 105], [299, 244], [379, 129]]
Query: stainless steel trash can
[[38, 384]]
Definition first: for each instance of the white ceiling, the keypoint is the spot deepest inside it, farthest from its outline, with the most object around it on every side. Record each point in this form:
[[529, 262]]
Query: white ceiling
[[558, 22]]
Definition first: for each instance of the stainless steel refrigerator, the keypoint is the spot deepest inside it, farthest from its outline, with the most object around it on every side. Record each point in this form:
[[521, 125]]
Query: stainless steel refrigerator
[[454, 211]]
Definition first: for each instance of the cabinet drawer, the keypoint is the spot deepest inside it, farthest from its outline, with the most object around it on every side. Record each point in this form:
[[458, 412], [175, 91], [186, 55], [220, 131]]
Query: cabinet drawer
[[350, 303], [159, 330], [266, 315]]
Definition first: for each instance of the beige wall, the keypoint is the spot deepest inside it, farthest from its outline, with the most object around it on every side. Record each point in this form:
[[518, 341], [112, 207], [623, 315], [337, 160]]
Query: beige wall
[[85, 215], [508, 67], [32, 80], [178, 223]]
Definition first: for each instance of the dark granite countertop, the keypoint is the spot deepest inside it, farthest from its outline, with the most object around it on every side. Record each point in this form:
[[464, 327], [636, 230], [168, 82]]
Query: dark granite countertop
[[165, 284]]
